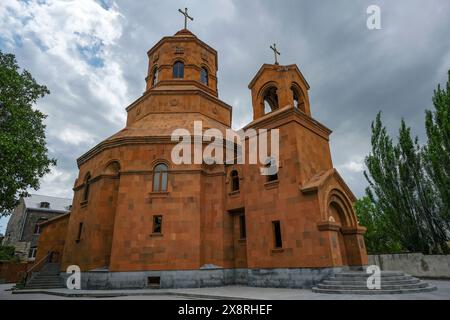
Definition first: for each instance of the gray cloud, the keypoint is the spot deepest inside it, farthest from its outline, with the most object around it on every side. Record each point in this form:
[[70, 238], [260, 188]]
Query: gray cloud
[[353, 72]]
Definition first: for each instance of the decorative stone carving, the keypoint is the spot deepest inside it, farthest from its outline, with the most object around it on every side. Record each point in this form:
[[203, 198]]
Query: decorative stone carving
[[179, 50]]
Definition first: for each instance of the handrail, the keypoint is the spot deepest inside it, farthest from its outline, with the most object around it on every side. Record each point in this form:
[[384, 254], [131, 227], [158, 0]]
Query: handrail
[[40, 263]]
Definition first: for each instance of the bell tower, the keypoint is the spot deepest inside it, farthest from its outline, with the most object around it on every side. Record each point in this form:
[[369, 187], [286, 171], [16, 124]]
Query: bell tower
[[277, 87]]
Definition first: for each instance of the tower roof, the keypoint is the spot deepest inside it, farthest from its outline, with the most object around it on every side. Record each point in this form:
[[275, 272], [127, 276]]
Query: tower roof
[[185, 33], [267, 66]]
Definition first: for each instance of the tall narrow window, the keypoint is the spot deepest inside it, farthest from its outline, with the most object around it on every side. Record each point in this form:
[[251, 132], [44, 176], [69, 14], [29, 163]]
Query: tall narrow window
[[37, 226], [204, 76], [32, 253], [234, 181], [160, 178], [277, 234], [178, 70], [155, 76], [80, 231], [157, 224], [271, 177], [242, 227], [87, 183]]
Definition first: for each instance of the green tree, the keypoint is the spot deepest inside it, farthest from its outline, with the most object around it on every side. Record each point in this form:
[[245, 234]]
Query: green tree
[[7, 253], [23, 152], [437, 151], [378, 238], [401, 191]]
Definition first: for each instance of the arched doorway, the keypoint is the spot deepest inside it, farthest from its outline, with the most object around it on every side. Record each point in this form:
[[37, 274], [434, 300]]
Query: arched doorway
[[336, 215]]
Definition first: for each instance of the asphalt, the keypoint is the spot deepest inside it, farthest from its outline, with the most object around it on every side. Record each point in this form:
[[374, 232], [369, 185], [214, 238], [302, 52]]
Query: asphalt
[[221, 293]]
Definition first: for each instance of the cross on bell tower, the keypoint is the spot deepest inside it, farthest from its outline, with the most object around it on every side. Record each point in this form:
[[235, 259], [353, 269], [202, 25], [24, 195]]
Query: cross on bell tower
[[186, 16], [276, 53]]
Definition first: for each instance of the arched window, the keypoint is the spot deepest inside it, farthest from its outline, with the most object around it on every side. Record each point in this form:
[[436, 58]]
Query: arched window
[[160, 178], [178, 70], [113, 168], [204, 76], [234, 181], [155, 76], [270, 100], [87, 184]]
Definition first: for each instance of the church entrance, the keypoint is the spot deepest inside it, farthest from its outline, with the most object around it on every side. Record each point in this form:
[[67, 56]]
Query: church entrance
[[338, 240], [239, 238]]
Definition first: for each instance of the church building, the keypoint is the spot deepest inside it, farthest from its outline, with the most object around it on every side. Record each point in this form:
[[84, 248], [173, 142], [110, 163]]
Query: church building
[[139, 220]]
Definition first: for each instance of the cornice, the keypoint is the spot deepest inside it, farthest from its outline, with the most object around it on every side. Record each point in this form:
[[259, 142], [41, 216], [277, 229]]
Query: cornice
[[286, 112]]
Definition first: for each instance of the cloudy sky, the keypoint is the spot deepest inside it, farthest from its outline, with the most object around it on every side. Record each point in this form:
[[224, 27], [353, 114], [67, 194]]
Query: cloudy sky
[[92, 56]]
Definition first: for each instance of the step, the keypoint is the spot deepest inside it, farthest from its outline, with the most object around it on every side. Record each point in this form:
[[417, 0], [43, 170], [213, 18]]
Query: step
[[373, 292], [364, 287], [363, 273], [363, 282], [46, 276], [48, 273], [385, 278], [42, 287], [44, 280], [46, 285]]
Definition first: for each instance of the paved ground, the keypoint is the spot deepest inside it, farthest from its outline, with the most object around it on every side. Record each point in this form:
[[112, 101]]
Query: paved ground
[[230, 292]]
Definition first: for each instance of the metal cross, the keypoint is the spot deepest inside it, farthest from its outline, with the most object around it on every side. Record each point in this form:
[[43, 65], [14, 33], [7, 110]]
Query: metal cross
[[186, 16], [276, 52]]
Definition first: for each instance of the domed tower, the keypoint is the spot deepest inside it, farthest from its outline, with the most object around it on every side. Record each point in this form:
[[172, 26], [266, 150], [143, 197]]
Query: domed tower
[[133, 208], [182, 77]]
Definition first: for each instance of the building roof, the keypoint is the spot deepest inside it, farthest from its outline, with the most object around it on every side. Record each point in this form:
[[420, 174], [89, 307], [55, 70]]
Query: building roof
[[57, 218], [56, 204]]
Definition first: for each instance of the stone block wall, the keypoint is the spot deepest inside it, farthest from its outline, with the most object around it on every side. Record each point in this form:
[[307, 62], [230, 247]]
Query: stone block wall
[[415, 264]]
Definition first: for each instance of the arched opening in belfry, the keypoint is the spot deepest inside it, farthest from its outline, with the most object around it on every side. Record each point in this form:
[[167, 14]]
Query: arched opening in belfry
[[155, 76], [336, 215], [87, 186], [299, 101], [204, 76], [270, 99]]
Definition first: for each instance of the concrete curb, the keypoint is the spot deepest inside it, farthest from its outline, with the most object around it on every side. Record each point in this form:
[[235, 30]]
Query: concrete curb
[[114, 294]]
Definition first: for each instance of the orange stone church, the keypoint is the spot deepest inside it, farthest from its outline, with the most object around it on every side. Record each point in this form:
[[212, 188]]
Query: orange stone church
[[140, 220]]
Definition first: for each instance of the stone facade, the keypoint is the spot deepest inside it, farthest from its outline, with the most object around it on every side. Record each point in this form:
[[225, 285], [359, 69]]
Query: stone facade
[[210, 229], [23, 232]]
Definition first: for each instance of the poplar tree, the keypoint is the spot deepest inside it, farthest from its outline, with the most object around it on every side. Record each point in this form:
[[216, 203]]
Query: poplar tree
[[437, 151], [401, 191]]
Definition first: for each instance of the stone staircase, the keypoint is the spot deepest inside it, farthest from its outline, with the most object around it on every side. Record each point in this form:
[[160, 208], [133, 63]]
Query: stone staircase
[[355, 282], [47, 278]]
